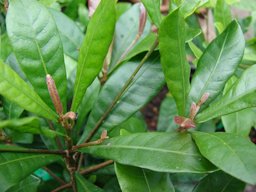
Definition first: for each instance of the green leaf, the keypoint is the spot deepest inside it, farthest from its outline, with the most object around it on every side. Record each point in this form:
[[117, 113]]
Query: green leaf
[[167, 112], [139, 179], [217, 64], [126, 30], [121, 8], [37, 46], [222, 15], [70, 34], [94, 49], [229, 152], [5, 46], [219, 181], [173, 58], [11, 109], [16, 90], [85, 186], [173, 152], [153, 9], [29, 184], [17, 166], [188, 7], [27, 125], [146, 84], [240, 96]]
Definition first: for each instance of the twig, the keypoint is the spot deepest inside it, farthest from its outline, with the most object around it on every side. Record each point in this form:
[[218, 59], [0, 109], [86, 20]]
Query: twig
[[36, 151], [68, 185], [127, 84], [54, 176], [96, 167]]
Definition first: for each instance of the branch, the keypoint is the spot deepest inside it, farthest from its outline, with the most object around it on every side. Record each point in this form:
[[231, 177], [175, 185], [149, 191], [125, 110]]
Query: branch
[[37, 151], [68, 185], [96, 167], [54, 176]]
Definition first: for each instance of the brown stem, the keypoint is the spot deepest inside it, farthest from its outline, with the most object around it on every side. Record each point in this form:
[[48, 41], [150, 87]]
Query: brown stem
[[57, 139], [97, 142], [68, 185], [54, 176], [96, 167], [37, 151]]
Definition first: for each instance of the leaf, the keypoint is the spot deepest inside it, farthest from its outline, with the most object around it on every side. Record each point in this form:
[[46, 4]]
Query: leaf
[[126, 30], [219, 181], [146, 84], [167, 113], [229, 152], [29, 184], [70, 34], [153, 9], [139, 179], [121, 8], [5, 46], [173, 58], [240, 96], [173, 152], [27, 125], [217, 64], [37, 46], [222, 15], [188, 7], [85, 186], [11, 109], [94, 48], [17, 166], [16, 90]]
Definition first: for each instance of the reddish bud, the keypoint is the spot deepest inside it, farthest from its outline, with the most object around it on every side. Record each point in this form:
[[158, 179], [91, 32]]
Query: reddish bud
[[54, 94], [92, 5], [70, 115], [143, 18], [104, 134], [184, 122], [203, 99], [193, 110]]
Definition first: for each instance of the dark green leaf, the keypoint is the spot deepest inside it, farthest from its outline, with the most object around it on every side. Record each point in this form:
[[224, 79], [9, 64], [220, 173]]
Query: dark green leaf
[[139, 179], [153, 9], [217, 64], [37, 46], [17, 166], [85, 186], [240, 96], [219, 181], [11, 109], [5, 46], [126, 30], [229, 152], [16, 90], [70, 34], [173, 58], [222, 15], [167, 112], [94, 49], [145, 86], [173, 152], [29, 184]]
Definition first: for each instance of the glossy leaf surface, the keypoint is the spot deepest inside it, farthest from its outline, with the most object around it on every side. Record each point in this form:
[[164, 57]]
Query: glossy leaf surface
[[219, 181], [217, 64], [240, 96], [37, 46], [145, 86], [173, 152], [229, 152], [29, 184], [94, 48], [139, 179], [85, 186], [70, 34], [173, 58], [17, 166], [16, 90], [222, 15], [153, 9]]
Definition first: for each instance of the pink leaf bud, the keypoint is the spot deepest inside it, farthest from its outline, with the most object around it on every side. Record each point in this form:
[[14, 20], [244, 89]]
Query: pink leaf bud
[[143, 18]]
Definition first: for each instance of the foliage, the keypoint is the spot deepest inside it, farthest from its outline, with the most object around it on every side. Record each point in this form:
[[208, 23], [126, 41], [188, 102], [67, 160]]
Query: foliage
[[74, 78]]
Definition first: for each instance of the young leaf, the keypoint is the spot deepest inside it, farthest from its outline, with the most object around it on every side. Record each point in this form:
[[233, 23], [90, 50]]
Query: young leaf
[[85, 186], [240, 96], [145, 86], [173, 58], [222, 15], [219, 181], [37, 46], [139, 179], [70, 34], [173, 152], [17, 166], [153, 9], [229, 152], [217, 64], [94, 48], [16, 90]]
